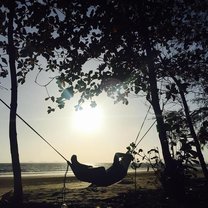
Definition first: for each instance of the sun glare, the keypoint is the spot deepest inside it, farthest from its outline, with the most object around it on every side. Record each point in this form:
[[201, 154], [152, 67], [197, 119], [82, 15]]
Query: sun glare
[[87, 120]]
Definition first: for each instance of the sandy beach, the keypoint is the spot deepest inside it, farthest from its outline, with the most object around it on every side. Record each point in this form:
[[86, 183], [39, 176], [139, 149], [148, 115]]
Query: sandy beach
[[46, 192], [49, 189]]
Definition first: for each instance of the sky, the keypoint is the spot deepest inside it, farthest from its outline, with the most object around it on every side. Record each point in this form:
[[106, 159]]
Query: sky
[[94, 135]]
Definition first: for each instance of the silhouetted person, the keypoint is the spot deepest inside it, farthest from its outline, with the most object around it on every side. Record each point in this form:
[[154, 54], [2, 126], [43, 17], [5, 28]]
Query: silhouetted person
[[100, 176]]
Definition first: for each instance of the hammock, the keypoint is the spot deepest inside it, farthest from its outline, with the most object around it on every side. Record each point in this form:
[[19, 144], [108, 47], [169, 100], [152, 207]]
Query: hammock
[[99, 176]]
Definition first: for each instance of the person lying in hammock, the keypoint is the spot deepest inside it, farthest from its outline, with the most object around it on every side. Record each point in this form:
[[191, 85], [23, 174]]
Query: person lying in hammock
[[99, 176]]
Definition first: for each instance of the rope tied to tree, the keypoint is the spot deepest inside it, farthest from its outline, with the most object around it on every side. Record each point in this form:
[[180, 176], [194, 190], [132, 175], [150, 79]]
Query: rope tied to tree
[[36, 132], [144, 120], [68, 163], [142, 125]]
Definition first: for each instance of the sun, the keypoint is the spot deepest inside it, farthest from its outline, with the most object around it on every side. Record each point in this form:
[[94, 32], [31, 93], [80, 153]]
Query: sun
[[88, 120]]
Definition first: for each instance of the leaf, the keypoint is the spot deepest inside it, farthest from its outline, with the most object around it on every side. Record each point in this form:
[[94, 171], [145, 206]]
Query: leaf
[[61, 105], [128, 148], [50, 109], [19, 73], [133, 145], [154, 158], [93, 104], [173, 96], [68, 93], [60, 102], [195, 161], [193, 153], [152, 150], [21, 80], [168, 87], [46, 55], [168, 95], [4, 60], [52, 98], [134, 152], [3, 73]]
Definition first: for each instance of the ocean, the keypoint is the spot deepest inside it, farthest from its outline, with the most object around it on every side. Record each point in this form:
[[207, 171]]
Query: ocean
[[35, 169], [46, 169], [54, 169], [42, 169]]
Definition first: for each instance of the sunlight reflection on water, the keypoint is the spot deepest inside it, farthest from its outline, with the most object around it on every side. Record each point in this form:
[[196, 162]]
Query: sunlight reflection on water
[[45, 169]]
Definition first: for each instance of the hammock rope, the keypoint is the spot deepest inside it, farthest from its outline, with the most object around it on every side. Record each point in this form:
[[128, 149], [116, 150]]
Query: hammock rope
[[64, 185], [145, 134], [144, 120], [69, 163], [142, 125], [36, 132]]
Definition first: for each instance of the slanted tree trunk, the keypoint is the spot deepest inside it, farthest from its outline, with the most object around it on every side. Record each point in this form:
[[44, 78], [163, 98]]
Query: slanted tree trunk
[[153, 88], [158, 112], [191, 128], [155, 101], [18, 193], [172, 178]]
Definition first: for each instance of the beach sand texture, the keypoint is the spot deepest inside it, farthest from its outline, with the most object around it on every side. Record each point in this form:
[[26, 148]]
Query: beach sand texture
[[46, 192], [49, 189]]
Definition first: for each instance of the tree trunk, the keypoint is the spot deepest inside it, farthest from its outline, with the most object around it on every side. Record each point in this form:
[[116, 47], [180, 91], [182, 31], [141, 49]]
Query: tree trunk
[[159, 117], [154, 90], [18, 193], [156, 105], [191, 127], [172, 178]]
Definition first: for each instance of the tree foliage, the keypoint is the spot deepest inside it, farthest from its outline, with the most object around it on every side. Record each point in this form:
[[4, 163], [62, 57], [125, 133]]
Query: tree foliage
[[67, 35], [131, 46]]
